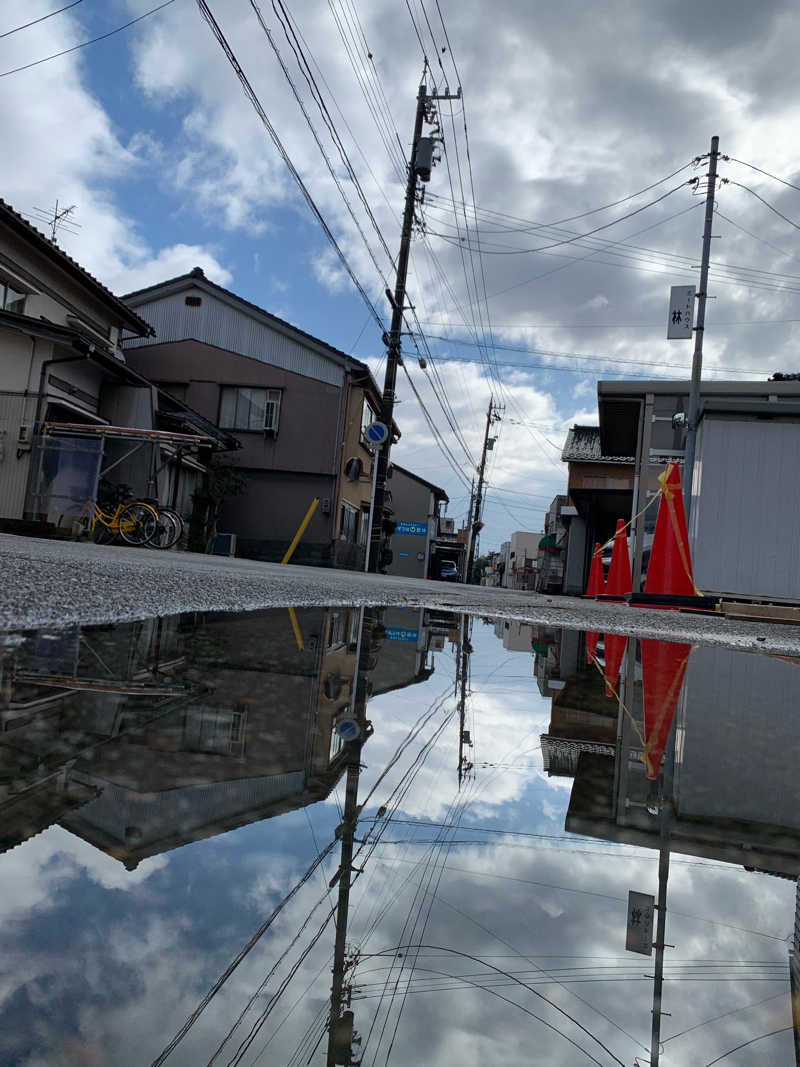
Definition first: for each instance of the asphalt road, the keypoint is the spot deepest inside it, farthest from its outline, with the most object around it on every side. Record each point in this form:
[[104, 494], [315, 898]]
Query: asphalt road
[[55, 583]]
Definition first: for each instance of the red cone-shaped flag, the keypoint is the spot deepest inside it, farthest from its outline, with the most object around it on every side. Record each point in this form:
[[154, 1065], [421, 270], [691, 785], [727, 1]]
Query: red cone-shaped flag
[[663, 668], [619, 572], [595, 585], [613, 651], [670, 568]]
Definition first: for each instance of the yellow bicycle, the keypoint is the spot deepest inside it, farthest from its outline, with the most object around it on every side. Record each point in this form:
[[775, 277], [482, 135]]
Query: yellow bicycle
[[134, 522]]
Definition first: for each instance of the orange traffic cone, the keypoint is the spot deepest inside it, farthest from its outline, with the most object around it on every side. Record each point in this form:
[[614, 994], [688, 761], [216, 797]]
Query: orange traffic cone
[[613, 651], [670, 570], [619, 572], [663, 668], [595, 585]]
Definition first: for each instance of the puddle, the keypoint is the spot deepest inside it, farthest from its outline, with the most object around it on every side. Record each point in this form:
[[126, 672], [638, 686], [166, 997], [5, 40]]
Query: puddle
[[173, 788]]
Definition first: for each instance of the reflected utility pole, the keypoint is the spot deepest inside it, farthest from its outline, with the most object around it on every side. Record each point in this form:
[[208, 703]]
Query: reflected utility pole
[[462, 676], [340, 1023]]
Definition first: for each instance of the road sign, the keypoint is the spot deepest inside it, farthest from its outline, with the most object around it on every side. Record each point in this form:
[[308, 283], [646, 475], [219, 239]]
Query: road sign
[[639, 934], [415, 529], [376, 433], [681, 312]]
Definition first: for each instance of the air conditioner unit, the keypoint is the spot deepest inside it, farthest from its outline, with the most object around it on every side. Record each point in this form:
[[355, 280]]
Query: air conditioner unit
[[224, 545], [447, 525], [436, 643]]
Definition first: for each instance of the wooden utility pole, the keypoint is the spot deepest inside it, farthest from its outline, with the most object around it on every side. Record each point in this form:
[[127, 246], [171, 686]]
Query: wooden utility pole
[[699, 330], [473, 527], [419, 167]]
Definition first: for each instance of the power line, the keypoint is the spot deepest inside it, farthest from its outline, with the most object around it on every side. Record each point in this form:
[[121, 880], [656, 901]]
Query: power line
[[766, 173], [85, 44], [43, 18], [766, 203], [752, 1041], [257, 105]]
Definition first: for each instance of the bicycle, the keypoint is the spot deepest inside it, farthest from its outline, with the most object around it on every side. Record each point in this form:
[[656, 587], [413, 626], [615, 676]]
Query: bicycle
[[170, 526], [134, 522]]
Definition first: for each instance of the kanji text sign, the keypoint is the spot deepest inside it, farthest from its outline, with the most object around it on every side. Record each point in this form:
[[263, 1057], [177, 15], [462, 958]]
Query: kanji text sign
[[681, 312], [639, 934]]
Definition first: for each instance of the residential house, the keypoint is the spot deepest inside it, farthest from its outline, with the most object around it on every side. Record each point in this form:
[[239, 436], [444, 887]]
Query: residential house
[[416, 505], [144, 736], [744, 515], [296, 405], [600, 491], [71, 409]]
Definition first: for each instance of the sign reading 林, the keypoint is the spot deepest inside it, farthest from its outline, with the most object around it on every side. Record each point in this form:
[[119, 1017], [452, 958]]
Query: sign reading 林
[[639, 934], [681, 312]]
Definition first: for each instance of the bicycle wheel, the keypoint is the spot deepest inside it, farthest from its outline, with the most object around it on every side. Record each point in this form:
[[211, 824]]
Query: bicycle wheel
[[137, 524], [179, 519], [167, 532]]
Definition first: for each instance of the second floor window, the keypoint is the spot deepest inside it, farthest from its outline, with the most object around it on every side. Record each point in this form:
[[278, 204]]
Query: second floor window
[[348, 523], [11, 299], [250, 409]]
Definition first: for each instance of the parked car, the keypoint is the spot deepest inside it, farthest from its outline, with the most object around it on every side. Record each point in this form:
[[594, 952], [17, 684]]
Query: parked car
[[448, 572]]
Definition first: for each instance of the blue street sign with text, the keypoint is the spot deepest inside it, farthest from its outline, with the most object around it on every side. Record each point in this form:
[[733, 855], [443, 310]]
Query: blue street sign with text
[[396, 633], [417, 529]]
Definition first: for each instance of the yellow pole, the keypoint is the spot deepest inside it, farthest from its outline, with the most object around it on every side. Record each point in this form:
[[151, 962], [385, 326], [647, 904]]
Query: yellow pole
[[297, 635], [300, 530]]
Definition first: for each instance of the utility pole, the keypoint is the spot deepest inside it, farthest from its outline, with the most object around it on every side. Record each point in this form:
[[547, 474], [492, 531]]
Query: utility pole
[[419, 166], [473, 528], [340, 1024], [462, 675], [699, 330]]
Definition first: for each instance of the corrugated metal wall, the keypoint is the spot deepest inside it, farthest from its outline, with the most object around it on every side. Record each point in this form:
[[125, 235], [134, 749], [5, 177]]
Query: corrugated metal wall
[[745, 523], [15, 411], [215, 323]]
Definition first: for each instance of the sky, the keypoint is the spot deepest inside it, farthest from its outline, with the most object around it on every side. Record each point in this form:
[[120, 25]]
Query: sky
[[565, 109], [102, 965]]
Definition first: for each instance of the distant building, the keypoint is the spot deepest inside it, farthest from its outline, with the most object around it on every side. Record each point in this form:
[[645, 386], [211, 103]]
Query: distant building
[[296, 405], [521, 570], [600, 491], [416, 511]]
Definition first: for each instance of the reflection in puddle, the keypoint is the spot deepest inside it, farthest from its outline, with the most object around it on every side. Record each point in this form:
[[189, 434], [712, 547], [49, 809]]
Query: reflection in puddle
[[384, 803]]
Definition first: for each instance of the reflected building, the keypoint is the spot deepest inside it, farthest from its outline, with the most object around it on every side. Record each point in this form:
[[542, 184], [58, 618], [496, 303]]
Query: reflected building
[[735, 729], [146, 736]]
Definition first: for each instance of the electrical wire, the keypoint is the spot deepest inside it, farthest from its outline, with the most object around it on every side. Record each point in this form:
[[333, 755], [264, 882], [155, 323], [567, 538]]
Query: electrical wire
[[745, 1044], [85, 44], [43, 18], [466, 955], [766, 173], [766, 203], [724, 1015], [259, 109]]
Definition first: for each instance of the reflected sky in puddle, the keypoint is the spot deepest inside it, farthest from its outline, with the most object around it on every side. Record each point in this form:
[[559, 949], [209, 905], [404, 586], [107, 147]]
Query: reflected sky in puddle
[[165, 784]]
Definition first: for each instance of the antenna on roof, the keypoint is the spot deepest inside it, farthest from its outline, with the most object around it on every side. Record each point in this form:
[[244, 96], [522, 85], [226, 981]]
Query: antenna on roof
[[58, 218]]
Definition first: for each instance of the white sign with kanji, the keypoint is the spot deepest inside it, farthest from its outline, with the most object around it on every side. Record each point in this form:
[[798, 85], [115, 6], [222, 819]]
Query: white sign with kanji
[[639, 935], [681, 312]]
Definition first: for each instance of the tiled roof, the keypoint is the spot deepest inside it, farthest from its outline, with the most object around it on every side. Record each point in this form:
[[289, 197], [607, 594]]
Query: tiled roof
[[583, 446], [16, 221]]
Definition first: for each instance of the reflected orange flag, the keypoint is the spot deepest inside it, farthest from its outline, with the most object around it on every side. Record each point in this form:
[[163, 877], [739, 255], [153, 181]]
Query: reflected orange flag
[[595, 585], [670, 569], [619, 583], [663, 668]]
